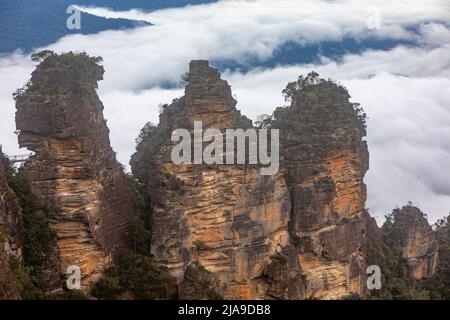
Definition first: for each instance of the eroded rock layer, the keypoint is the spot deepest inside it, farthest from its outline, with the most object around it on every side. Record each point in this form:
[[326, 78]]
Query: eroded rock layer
[[229, 219], [417, 241], [222, 230], [74, 169], [325, 158]]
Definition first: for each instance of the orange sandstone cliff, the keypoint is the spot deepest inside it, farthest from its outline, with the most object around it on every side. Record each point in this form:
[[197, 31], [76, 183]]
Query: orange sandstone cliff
[[417, 241], [325, 158], [297, 234], [222, 230], [74, 170], [229, 219]]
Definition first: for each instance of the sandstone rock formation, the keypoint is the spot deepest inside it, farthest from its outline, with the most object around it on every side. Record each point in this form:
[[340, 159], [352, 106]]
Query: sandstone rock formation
[[223, 230], [325, 158], [443, 231], [229, 219], [241, 219], [74, 169], [417, 241], [11, 235]]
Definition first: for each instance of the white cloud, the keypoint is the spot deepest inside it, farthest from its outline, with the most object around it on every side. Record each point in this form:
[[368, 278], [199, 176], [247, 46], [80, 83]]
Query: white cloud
[[408, 115], [434, 34], [14, 72], [408, 126], [239, 30], [408, 142], [127, 112]]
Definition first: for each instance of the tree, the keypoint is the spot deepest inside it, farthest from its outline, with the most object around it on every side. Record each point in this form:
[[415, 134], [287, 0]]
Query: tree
[[138, 276], [41, 55], [140, 236]]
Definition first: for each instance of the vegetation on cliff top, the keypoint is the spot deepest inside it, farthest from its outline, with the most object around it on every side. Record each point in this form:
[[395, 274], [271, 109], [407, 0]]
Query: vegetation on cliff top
[[327, 89], [77, 71]]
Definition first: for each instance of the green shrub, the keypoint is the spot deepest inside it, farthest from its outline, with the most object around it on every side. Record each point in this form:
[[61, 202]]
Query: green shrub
[[136, 274], [200, 245], [199, 284], [140, 237], [39, 239]]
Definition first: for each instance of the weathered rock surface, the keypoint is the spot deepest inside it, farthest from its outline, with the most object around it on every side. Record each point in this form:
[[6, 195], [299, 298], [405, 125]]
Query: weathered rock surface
[[11, 236], [228, 218], [241, 219], [325, 158], [373, 232], [443, 231], [74, 169], [417, 241], [222, 230]]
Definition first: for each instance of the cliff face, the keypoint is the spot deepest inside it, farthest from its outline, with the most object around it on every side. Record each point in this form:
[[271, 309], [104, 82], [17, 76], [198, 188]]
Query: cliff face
[[229, 219], [443, 233], [74, 169], [242, 226], [417, 241], [221, 229], [325, 158], [11, 236]]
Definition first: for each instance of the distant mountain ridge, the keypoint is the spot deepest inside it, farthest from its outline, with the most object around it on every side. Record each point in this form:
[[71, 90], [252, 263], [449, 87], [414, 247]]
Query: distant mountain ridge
[[146, 5], [30, 24]]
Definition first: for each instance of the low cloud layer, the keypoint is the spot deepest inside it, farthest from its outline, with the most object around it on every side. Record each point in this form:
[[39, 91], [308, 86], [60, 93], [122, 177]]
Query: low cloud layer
[[405, 91]]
